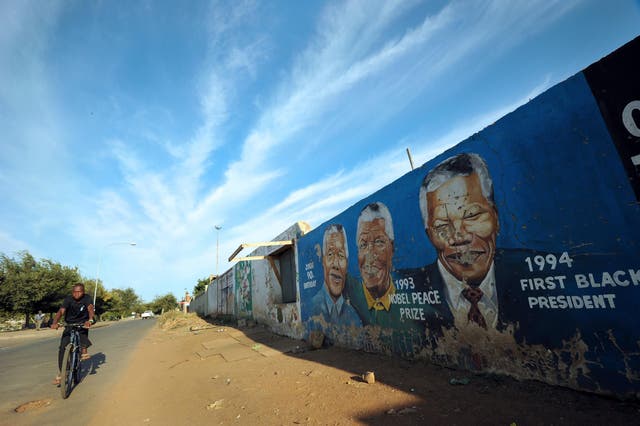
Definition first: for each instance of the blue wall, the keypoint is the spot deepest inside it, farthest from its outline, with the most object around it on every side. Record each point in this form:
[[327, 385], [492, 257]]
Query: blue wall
[[565, 188]]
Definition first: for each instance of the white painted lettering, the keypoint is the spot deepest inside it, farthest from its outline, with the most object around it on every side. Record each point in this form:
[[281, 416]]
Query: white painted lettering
[[607, 280], [551, 285], [616, 278], [610, 298], [538, 283], [627, 118], [547, 283], [587, 302], [598, 301], [578, 303], [431, 297], [562, 302], [581, 281], [400, 298], [412, 314]]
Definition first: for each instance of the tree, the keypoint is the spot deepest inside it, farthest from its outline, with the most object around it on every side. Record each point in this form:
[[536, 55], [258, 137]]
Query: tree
[[111, 306], [58, 281], [164, 303], [124, 301], [103, 297], [201, 286], [140, 307], [28, 285]]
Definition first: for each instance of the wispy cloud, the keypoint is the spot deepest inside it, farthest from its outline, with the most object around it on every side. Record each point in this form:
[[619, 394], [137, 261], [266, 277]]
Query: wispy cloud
[[326, 198], [361, 69], [348, 50]]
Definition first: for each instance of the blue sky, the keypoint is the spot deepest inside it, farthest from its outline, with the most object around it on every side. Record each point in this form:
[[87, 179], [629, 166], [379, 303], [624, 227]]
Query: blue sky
[[152, 122]]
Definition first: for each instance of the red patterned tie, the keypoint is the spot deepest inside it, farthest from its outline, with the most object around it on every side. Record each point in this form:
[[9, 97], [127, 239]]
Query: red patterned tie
[[473, 295]]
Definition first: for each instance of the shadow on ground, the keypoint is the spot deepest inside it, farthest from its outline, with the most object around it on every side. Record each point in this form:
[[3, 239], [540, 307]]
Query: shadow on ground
[[447, 396], [94, 363]]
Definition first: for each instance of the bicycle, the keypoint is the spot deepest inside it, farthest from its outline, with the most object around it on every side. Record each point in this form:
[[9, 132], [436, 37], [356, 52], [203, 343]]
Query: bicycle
[[70, 372]]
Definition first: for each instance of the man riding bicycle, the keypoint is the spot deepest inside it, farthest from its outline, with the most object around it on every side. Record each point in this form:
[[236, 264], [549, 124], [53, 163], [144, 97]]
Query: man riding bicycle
[[76, 308]]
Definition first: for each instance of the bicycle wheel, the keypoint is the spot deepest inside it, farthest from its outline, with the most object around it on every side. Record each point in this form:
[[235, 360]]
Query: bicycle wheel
[[66, 373], [76, 368]]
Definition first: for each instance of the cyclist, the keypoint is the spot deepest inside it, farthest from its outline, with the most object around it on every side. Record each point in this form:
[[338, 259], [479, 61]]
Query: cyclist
[[76, 308]]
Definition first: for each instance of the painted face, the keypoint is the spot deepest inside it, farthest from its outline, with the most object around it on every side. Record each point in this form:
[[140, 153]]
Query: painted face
[[375, 252], [463, 226], [77, 292], [334, 263]]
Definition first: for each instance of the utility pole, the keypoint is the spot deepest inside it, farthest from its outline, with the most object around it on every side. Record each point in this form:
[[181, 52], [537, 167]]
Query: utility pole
[[410, 159], [218, 228]]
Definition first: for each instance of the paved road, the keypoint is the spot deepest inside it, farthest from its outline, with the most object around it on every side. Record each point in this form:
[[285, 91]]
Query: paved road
[[27, 369]]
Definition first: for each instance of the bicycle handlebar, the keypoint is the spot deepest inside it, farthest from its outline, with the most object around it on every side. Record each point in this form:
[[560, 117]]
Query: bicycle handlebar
[[72, 324]]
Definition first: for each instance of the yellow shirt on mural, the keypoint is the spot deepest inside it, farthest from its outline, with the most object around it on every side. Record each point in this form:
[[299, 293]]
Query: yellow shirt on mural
[[380, 303]]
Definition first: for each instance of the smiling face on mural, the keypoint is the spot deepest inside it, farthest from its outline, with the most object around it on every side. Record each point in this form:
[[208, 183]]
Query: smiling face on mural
[[334, 263], [375, 252], [463, 226]]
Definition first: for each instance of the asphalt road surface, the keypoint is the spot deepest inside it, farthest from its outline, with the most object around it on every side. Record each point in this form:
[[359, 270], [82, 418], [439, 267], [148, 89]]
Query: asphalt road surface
[[27, 369]]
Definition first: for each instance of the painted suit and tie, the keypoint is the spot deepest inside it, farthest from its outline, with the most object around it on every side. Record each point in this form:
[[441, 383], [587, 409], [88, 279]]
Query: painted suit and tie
[[479, 284]]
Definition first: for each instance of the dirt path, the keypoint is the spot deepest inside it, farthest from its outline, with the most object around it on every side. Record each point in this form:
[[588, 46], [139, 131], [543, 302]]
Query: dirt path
[[224, 375]]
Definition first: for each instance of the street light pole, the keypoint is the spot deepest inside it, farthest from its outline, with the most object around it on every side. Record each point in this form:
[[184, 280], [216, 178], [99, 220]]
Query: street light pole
[[218, 228], [95, 288]]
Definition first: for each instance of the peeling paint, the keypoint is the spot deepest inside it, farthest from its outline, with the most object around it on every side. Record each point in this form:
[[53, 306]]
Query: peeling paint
[[493, 254], [511, 277]]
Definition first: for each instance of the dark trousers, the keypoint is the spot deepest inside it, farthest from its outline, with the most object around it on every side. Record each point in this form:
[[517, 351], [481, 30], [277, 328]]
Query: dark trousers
[[66, 339]]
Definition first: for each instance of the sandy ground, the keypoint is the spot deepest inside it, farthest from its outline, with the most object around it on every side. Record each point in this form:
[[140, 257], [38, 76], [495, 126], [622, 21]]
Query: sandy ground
[[225, 375]]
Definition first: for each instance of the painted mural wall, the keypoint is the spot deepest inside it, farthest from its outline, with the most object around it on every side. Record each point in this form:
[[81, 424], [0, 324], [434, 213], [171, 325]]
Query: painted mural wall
[[517, 251], [244, 279]]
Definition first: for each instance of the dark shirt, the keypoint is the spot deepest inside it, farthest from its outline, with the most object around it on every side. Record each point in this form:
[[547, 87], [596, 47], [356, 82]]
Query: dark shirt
[[531, 325], [77, 310]]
